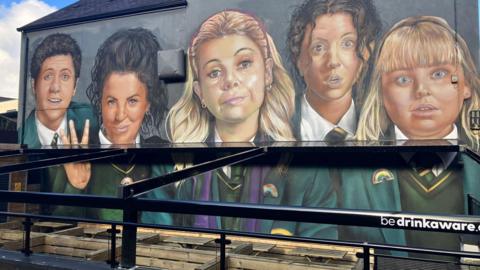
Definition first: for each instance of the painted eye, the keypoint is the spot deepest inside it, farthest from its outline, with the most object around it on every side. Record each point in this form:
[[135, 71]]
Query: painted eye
[[65, 77], [47, 77], [214, 74], [245, 64], [347, 44], [318, 48], [132, 101], [403, 80], [439, 74], [111, 102]]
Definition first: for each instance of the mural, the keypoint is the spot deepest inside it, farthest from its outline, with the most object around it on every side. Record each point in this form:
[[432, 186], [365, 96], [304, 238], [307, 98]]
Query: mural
[[54, 71], [330, 43], [237, 89], [329, 73], [411, 96]]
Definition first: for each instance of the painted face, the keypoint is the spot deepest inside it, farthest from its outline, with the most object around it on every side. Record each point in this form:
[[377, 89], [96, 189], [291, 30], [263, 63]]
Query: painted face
[[232, 78], [124, 104], [423, 102], [54, 88], [328, 59]]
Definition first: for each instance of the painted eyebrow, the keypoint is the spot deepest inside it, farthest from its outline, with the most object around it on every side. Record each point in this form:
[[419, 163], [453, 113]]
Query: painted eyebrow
[[243, 49], [62, 70], [236, 53], [325, 40], [349, 33], [132, 96], [66, 69], [211, 61], [46, 70], [317, 39]]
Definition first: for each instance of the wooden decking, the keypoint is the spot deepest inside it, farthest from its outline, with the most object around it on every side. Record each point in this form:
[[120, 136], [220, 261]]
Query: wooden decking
[[178, 250]]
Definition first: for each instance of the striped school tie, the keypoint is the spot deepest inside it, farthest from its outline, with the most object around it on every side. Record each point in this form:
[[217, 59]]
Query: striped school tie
[[55, 139], [337, 134]]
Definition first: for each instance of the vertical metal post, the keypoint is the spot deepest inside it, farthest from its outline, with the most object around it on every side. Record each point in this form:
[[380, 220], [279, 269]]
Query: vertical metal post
[[113, 248], [27, 225], [366, 257], [129, 236], [470, 204], [223, 265], [223, 244]]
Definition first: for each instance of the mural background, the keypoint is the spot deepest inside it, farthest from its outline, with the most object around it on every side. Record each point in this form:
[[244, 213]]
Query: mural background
[[175, 28]]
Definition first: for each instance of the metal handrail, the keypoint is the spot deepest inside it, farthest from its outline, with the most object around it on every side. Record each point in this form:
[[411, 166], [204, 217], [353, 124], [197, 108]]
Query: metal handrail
[[132, 204], [288, 213], [364, 245], [247, 234]]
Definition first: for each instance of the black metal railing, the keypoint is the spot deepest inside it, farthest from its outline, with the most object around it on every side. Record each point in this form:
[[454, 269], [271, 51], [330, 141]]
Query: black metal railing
[[334, 216], [130, 203], [223, 241]]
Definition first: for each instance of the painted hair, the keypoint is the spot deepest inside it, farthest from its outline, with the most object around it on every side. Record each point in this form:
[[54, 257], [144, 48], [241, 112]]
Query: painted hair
[[53, 45], [131, 51], [188, 122], [365, 20], [413, 42]]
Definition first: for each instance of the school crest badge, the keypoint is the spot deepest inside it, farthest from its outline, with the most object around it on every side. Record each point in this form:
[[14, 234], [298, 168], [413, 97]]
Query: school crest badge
[[382, 175], [270, 189]]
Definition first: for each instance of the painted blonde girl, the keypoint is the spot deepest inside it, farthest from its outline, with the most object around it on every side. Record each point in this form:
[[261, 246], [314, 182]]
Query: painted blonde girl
[[415, 43], [190, 120], [237, 90]]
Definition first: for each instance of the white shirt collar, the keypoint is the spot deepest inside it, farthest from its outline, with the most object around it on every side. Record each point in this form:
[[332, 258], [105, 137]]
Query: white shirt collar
[[453, 135], [104, 140], [446, 157], [227, 169], [45, 135], [314, 127]]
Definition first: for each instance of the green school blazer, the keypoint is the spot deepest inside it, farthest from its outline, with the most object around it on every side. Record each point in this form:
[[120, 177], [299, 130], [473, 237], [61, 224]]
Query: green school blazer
[[313, 188], [107, 176], [360, 192], [78, 112], [162, 193], [262, 185], [53, 179], [279, 185]]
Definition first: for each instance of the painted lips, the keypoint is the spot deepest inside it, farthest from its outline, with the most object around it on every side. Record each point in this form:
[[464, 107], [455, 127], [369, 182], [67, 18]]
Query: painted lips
[[233, 100], [423, 110], [334, 81], [54, 100], [121, 129]]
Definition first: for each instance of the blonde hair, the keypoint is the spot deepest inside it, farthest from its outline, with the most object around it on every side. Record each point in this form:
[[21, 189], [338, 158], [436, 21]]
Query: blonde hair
[[188, 122], [414, 42]]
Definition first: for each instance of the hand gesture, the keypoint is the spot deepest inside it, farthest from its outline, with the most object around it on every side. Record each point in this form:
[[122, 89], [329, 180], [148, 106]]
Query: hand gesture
[[78, 173]]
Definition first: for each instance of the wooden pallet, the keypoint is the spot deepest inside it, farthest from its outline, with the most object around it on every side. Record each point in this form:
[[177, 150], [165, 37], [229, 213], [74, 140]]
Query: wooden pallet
[[186, 251]]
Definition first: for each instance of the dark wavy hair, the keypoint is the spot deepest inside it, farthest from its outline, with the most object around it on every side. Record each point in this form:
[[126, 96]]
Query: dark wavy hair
[[53, 45], [365, 20], [131, 50]]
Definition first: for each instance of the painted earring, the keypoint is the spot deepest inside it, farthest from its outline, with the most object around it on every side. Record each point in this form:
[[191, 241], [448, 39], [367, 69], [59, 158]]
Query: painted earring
[[268, 87], [203, 104]]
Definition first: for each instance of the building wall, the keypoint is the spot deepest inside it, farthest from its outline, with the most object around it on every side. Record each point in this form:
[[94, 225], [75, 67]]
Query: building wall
[[295, 182]]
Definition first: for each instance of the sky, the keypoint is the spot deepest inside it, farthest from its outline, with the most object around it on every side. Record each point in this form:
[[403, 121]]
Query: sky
[[52, 3], [14, 14]]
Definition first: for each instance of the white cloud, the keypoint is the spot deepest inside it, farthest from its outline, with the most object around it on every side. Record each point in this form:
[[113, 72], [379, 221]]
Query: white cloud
[[12, 17]]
